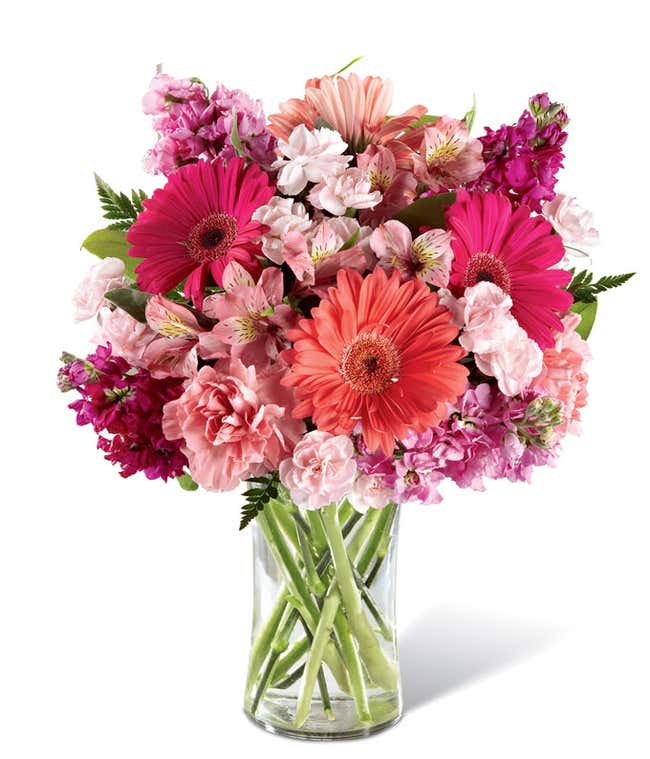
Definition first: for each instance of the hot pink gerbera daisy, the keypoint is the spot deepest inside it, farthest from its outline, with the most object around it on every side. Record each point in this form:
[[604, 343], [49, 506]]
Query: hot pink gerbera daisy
[[494, 242], [197, 223]]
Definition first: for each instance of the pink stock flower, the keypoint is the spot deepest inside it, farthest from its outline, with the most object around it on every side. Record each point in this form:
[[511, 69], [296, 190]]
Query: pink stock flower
[[574, 224], [428, 257], [564, 376], [448, 156], [309, 156], [321, 471], [281, 216], [103, 276], [397, 188], [351, 189], [252, 319], [501, 348], [234, 423], [316, 257]]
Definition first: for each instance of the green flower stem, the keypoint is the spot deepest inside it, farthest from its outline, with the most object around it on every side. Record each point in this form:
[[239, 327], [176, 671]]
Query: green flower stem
[[353, 664], [372, 545], [289, 680], [379, 666], [285, 520], [290, 619], [345, 511], [382, 549], [317, 532], [313, 580], [295, 653], [293, 656], [384, 627], [321, 638], [262, 644], [358, 540], [299, 589]]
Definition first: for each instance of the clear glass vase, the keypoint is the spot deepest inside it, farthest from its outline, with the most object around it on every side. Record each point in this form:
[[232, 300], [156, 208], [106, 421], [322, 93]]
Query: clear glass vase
[[323, 661]]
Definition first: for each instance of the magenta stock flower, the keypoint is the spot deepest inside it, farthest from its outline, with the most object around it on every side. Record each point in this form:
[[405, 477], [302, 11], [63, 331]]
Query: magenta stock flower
[[125, 406], [195, 225]]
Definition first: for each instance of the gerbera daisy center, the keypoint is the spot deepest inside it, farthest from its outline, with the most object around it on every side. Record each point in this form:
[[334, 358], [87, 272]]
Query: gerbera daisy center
[[370, 364], [211, 237], [485, 267]]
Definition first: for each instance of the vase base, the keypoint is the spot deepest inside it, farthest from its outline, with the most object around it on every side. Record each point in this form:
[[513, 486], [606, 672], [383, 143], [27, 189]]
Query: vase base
[[276, 715]]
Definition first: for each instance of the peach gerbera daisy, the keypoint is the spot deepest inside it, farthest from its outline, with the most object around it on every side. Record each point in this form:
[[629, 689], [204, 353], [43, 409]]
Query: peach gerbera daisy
[[378, 353], [356, 108]]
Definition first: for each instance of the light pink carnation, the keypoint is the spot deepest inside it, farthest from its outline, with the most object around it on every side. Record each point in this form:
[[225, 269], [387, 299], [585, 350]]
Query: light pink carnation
[[574, 224], [564, 376], [351, 189], [103, 276], [281, 216], [370, 492], [501, 348], [321, 471], [128, 337], [428, 257], [234, 423]]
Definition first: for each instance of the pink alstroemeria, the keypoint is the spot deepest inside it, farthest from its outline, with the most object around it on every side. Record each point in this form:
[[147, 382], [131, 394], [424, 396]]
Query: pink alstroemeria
[[251, 317], [316, 257], [428, 257], [397, 188], [174, 352], [448, 156]]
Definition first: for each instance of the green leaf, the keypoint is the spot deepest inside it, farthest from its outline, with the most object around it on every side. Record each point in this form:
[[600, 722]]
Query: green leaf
[[425, 120], [186, 482], [117, 205], [347, 65], [130, 300], [111, 243], [587, 313], [584, 289], [235, 138], [351, 241], [427, 212], [469, 117], [258, 497]]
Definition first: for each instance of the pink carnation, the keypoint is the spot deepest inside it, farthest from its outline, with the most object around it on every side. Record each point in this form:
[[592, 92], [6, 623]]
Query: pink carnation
[[351, 189], [234, 424], [564, 376], [321, 471], [370, 492], [128, 337], [105, 275], [501, 348]]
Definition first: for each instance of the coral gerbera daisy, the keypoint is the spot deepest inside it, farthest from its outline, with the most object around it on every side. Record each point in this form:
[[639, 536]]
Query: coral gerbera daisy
[[494, 242], [378, 354], [197, 223], [356, 108]]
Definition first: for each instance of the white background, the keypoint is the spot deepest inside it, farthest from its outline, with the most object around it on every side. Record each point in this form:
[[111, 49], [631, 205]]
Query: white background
[[124, 605]]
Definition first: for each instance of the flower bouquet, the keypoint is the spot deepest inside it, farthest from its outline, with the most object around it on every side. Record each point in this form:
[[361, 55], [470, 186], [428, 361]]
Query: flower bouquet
[[340, 310]]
